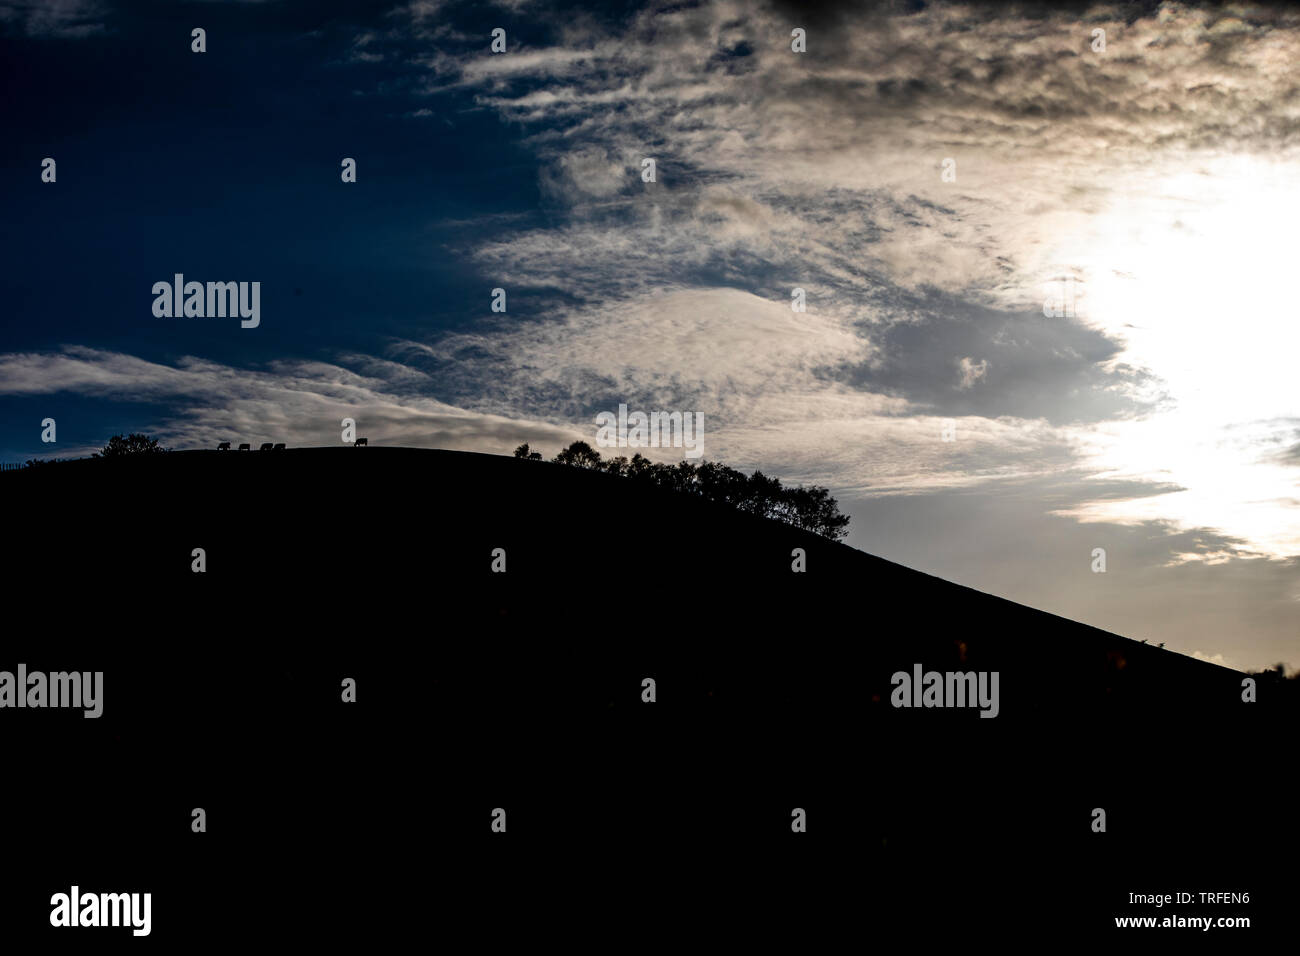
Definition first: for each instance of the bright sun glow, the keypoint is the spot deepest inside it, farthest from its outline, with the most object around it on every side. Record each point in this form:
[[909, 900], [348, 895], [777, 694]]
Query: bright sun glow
[[1193, 272]]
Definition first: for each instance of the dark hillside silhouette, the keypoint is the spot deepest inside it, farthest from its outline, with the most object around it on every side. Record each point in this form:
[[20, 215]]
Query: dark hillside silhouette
[[774, 686], [277, 527]]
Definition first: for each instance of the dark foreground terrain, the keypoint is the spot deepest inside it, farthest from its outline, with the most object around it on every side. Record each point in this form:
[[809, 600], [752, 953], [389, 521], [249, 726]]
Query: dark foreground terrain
[[331, 822]]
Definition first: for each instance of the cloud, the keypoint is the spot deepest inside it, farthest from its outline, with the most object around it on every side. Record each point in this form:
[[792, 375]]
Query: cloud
[[585, 172], [821, 171], [971, 371], [297, 402], [60, 19], [361, 52], [996, 538], [762, 375]]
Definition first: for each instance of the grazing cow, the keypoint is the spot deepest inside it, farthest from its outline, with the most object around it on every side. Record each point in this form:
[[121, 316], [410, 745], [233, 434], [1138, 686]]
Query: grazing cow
[[359, 442], [279, 447], [224, 446], [266, 446], [245, 447]]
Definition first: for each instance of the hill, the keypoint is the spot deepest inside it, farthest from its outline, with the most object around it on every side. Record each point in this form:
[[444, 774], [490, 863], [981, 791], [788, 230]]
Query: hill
[[478, 688]]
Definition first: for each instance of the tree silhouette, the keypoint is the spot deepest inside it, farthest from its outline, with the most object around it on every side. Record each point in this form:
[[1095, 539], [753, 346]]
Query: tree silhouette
[[133, 444], [580, 454], [811, 508]]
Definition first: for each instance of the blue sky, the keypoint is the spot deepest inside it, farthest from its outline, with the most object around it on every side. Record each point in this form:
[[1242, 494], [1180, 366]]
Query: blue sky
[[1154, 418]]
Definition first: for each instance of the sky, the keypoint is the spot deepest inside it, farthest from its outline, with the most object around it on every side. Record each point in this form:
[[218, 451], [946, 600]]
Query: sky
[[931, 175]]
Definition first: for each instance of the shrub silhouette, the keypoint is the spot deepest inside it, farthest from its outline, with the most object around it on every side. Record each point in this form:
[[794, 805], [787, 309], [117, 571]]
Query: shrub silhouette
[[811, 509], [133, 444]]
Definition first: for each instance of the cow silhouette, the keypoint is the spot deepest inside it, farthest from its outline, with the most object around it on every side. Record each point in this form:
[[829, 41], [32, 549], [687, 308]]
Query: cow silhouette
[[245, 447], [359, 442], [224, 446], [266, 446]]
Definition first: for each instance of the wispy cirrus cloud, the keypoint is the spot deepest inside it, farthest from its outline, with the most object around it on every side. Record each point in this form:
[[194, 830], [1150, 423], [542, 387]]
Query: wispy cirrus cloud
[[298, 402]]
